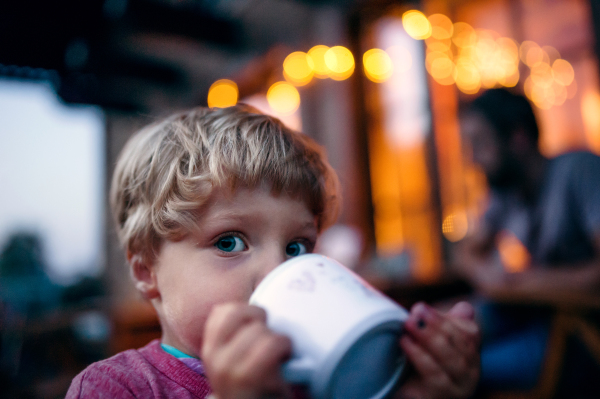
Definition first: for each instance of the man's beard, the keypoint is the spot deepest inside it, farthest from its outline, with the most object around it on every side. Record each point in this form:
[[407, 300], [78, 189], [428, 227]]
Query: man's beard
[[509, 175]]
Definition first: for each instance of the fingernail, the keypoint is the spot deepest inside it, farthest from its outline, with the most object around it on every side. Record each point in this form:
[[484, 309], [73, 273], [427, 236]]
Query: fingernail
[[422, 310]]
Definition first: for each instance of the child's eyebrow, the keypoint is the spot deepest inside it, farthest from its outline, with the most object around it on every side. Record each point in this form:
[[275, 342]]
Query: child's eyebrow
[[245, 217]]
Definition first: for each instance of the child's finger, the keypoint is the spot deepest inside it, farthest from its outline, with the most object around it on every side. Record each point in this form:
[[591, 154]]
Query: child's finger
[[265, 358], [224, 320], [440, 332], [463, 310], [424, 364], [250, 360], [453, 348]]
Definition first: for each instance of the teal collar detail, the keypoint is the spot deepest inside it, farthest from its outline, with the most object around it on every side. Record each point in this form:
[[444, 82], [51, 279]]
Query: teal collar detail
[[175, 352]]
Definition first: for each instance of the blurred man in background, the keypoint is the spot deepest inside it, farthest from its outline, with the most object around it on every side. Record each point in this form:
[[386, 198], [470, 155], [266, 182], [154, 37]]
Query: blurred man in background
[[550, 208]]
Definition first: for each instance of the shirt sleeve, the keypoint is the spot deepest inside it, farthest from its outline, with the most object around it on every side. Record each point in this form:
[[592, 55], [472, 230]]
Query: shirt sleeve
[[95, 384], [586, 188]]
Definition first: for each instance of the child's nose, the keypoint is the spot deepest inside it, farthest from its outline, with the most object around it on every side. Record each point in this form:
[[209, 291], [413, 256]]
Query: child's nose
[[269, 261]]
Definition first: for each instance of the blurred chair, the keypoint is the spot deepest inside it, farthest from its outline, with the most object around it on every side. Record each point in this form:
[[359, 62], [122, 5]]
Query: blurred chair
[[575, 317]]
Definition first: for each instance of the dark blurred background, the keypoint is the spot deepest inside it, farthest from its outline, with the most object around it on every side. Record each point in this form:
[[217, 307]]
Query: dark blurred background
[[379, 83]]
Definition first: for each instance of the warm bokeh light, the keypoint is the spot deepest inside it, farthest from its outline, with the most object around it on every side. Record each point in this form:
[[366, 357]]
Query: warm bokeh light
[[548, 86], [455, 226], [476, 59], [524, 50], [441, 26], [222, 94], [401, 58], [590, 104], [445, 46], [378, 65], [467, 77], [416, 24], [464, 35], [513, 254], [509, 49], [553, 53], [541, 75], [442, 70], [510, 80], [340, 62], [542, 97], [535, 55], [283, 98], [317, 55], [563, 72], [528, 87], [560, 94], [432, 56], [298, 68]]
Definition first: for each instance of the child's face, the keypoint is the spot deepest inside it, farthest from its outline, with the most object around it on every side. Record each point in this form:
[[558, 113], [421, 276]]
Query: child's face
[[242, 237]]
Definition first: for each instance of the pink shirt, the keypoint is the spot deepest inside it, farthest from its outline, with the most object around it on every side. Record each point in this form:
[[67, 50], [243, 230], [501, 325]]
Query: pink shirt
[[148, 372]]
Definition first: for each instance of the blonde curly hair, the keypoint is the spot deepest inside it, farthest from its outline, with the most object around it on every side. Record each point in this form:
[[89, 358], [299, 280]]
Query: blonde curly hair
[[167, 171]]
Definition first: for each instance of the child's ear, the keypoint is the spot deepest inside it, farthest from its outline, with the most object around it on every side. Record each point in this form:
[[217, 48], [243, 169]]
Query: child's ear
[[144, 276]]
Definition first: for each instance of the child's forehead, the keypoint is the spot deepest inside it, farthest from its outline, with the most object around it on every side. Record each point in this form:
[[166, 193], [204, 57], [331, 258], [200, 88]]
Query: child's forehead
[[241, 192], [256, 210]]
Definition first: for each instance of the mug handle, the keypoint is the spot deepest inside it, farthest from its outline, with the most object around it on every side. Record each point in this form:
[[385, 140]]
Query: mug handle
[[298, 370]]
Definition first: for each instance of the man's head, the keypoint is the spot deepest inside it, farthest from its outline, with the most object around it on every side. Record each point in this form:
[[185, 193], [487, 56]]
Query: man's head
[[168, 170], [501, 129]]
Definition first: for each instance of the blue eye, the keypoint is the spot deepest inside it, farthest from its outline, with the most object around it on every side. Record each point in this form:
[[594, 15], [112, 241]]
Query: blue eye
[[230, 244], [295, 249]]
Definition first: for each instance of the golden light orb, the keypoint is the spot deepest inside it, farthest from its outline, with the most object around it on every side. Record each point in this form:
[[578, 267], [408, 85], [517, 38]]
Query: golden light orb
[[535, 55], [553, 53], [590, 103], [560, 94], [510, 80], [441, 26], [298, 68], [563, 72], [283, 98], [444, 45], [485, 50], [514, 255], [378, 65], [509, 49], [528, 88], [317, 55], [455, 226], [222, 94], [441, 69], [541, 75], [416, 24], [468, 79], [542, 97], [464, 35], [524, 50], [340, 62], [432, 56]]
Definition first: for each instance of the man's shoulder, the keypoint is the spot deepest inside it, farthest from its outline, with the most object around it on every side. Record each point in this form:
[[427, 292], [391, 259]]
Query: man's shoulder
[[573, 161]]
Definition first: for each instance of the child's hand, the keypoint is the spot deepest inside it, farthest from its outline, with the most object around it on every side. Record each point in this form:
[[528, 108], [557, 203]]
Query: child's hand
[[444, 351], [242, 357]]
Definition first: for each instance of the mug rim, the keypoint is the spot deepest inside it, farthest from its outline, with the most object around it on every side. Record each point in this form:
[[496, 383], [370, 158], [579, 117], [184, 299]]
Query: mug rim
[[280, 269]]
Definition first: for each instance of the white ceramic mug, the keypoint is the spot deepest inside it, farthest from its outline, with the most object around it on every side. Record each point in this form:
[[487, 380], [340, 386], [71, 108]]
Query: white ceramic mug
[[344, 332]]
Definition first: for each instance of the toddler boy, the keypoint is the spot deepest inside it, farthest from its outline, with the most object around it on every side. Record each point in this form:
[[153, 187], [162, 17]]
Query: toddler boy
[[207, 202]]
